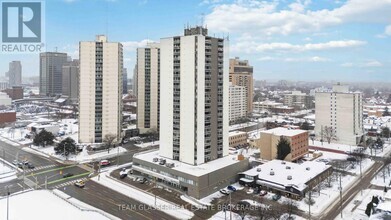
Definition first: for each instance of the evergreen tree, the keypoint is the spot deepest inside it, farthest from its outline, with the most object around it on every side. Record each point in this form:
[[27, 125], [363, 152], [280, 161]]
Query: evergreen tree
[[43, 138], [66, 146], [386, 112], [283, 148]]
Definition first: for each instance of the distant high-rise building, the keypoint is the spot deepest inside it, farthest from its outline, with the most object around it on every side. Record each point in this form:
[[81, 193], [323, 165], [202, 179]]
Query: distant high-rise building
[[4, 85], [15, 73], [124, 81], [299, 100], [50, 73], [70, 80], [339, 115], [241, 74], [237, 102], [134, 81], [148, 72], [100, 90], [194, 97]]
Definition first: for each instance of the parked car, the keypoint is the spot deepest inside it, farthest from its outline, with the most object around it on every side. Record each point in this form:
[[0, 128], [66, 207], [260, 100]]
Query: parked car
[[123, 174], [30, 166], [231, 188], [80, 183], [263, 193], [143, 180], [225, 192], [276, 197], [256, 191], [162, 162], [104, 162], [15, 162], [351, 159], [67, 175]]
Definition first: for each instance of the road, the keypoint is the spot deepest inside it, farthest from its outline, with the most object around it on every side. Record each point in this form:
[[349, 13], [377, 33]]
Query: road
[[113, 202], [50, 172]]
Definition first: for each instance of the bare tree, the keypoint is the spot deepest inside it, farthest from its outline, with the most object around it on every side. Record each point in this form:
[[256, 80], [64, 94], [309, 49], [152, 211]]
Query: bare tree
[[269, 213], [329, 134], [109, 140], [290, 206]]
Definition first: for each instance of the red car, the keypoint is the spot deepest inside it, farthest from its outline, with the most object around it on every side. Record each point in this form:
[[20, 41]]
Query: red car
[[263, 193], [104, 162]]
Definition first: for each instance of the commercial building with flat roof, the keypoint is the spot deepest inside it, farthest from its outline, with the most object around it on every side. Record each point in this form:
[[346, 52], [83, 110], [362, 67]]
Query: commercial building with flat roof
[[287, 178]]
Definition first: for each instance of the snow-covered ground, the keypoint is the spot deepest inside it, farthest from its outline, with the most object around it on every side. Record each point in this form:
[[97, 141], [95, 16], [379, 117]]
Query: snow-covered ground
[[170, 208], [45, 205], [240, 126], [11, 136], [350, 148], [328, 195], [228, 215], [82, 157], [7, 172], [355, 210], [383, 178], [148, 144]]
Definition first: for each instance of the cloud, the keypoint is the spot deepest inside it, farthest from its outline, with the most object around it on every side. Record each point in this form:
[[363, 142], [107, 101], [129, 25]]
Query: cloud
[[210, 2], [250, 47], [267, 58], [314, 59], [387, 30], [347, 65], [267, 18], [373, 63], [368, 63], [131, 46]]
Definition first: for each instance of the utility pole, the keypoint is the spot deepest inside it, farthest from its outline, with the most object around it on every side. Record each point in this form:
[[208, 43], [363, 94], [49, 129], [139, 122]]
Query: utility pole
[[46, 182], [340, 191], [118, 155], [309, 204], [230, 208], [8, 197]]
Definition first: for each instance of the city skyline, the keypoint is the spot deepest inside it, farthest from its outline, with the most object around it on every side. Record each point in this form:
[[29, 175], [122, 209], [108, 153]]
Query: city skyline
[[293, 40]]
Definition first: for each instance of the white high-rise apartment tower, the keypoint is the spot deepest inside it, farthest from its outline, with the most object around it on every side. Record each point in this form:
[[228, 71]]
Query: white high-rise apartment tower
[[339, 115], [237, 102], [100, 104], [194, 97], [148, 72]]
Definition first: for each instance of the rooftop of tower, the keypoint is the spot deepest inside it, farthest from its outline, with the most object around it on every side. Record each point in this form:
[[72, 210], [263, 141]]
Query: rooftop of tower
[[197, 30]]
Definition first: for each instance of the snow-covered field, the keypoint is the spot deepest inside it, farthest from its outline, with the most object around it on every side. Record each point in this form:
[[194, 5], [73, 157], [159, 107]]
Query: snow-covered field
[[7, 172], [148, 199], [44, 205], [383, 178], [82, 157], [350, 148]]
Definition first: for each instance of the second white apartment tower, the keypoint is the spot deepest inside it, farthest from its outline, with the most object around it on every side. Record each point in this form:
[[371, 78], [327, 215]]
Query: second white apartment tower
[[194, 97], [100, 103]]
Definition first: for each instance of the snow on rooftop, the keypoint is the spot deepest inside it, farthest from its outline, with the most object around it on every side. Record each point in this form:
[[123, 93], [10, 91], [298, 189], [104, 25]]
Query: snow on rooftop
[[43, 205], [284, 131], [299, 173], [199, 170], [233, 133]]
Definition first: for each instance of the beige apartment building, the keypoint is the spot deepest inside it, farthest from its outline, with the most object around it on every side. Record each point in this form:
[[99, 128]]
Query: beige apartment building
[[237, 102], [269, 139], [241, 74], [342, 111], [100, 105], [148, 90], [237, 138]]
